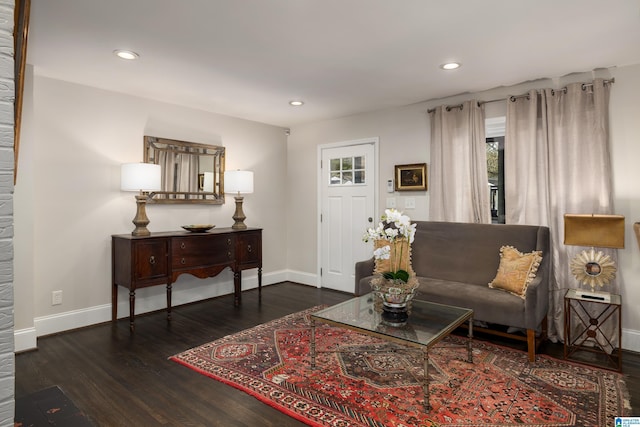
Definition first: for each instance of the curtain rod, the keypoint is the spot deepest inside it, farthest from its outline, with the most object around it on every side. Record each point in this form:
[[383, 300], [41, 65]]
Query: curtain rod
[[514, 97]]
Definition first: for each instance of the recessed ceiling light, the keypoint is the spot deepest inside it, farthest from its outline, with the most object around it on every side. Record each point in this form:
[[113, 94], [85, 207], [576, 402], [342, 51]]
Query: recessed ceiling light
[[296, 103], [450, 66], [126, 54]]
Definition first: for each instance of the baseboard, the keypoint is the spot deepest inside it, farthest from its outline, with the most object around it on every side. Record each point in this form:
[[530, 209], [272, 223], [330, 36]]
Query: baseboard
[[631, 340], [25, 339], [303, 278]]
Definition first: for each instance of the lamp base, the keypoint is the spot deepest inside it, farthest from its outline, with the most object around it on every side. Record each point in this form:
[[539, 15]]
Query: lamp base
[[239, 216], [141, 220]]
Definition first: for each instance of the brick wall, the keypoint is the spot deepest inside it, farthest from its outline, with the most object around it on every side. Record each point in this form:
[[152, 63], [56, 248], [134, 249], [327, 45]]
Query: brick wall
[[7, 365]]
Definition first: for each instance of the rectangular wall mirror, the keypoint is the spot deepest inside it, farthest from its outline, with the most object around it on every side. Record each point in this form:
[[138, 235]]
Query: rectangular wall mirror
[[191, 172]]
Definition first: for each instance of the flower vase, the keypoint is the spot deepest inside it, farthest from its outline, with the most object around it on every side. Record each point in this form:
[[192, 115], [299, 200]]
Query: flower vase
[[395, 298]]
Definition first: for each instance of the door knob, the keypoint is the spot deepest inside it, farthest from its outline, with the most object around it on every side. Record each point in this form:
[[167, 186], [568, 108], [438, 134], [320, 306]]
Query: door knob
[[370, 219]]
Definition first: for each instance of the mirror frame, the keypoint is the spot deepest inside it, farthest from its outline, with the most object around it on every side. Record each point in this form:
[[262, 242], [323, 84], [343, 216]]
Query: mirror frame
[[184, 197], [593, 268]]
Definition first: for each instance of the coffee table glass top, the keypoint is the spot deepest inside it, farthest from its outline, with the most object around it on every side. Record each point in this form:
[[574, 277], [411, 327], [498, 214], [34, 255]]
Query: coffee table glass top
[[428, 322]]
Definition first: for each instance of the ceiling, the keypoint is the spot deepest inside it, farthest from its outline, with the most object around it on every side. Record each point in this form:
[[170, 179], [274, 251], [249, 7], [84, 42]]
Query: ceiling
[[249, 58]]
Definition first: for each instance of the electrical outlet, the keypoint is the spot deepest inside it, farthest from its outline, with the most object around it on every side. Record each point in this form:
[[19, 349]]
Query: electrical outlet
[[56, 297]]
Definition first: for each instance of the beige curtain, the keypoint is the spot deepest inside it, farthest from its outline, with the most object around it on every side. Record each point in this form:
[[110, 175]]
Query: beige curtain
[[168, 161], [526, 164], [557, 161], [459, 187], [187, 172]]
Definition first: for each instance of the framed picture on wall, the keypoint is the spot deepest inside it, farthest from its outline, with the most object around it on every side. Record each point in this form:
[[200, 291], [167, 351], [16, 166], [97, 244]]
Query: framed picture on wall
[[411, 177]]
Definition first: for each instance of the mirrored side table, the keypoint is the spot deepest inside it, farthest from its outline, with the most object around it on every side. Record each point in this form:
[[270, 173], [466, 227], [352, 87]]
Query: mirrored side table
[[584, 320]]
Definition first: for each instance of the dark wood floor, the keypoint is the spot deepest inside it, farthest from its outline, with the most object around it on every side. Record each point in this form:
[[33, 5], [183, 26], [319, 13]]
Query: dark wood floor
[[122, 379]]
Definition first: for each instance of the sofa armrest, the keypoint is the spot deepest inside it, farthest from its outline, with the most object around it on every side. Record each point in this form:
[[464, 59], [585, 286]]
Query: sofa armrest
[[537, 301], [537, 297], [363, 269]]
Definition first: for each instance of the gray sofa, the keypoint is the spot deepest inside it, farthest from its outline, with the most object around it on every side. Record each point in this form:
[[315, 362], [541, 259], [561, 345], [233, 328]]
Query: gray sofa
[[454, 263]]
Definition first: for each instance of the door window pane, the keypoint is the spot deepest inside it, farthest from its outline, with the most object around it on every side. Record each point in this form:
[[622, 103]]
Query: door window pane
[[347, 163], [347, 171], [335, 178]]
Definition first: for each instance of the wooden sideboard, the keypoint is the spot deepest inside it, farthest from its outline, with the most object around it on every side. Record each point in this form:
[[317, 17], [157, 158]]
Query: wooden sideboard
[[158, 259]]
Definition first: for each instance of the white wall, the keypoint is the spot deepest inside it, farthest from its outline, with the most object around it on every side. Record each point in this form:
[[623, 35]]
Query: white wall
[[404, 138], [24, 266], [625, 139], [69, 203]]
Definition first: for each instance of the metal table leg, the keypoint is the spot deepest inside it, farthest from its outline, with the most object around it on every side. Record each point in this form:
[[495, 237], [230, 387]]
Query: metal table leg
[[425, 382], [470, 335], [312, 345]]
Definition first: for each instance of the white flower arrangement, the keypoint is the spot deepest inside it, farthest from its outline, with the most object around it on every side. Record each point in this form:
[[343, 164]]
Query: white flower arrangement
[[395, 228], [393, 225]]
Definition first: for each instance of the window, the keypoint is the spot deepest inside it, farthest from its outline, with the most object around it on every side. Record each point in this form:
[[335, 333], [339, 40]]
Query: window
[[495, 170], [347, 171]]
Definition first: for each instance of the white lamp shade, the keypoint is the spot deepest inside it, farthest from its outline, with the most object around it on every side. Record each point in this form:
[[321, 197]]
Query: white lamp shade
[[238, 181], [207, 184], [140, 177]]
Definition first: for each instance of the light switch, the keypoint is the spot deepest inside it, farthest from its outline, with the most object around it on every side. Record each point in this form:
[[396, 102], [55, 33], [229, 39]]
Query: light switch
[[391, 202], [409, 203]]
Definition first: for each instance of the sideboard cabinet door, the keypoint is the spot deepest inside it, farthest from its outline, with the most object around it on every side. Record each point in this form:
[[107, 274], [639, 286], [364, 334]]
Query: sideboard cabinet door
[[250, 249], [151, 260], [140, 263]]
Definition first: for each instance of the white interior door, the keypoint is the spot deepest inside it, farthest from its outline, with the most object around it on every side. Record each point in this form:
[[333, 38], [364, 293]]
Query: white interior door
[[347, 209]]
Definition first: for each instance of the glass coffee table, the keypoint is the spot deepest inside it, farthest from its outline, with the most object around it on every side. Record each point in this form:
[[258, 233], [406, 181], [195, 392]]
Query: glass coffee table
[[428, 324]]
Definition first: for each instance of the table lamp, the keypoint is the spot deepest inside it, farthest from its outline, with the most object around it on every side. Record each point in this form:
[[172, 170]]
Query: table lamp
[[141, 177], [238, 182], [589, 267]]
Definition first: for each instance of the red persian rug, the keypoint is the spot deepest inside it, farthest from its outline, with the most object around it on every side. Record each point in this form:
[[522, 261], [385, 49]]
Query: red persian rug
[[371, 383]]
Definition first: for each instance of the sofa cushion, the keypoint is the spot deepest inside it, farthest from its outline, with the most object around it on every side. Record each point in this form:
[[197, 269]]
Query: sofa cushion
[[489, 305], [516, 270]]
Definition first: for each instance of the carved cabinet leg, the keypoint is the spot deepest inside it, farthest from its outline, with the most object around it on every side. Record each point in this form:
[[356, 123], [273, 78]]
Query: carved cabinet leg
[[237, 287], [114, 302], [169, 287], [132, 308]]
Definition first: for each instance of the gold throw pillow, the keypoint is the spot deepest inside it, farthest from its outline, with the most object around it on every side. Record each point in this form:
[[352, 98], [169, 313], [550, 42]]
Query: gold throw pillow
[[516, 270]]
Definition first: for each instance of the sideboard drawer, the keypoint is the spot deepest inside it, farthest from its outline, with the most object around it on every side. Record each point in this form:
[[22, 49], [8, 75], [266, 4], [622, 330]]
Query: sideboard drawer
[[189, 252]]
